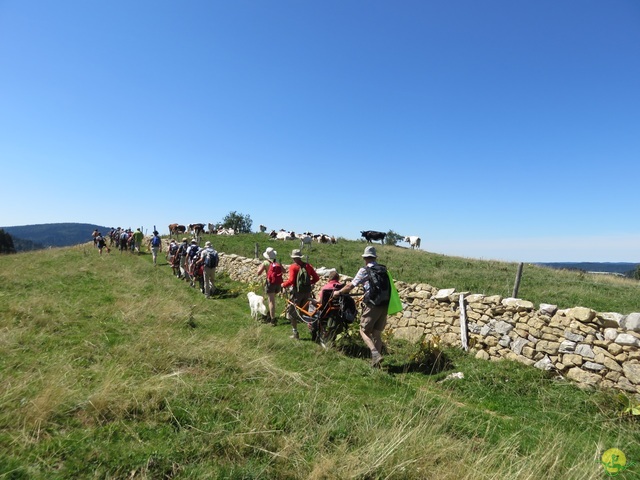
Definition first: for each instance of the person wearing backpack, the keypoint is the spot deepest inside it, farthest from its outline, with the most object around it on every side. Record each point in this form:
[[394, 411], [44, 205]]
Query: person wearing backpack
[[209, 259], [192, 258], [273, 282], [377, 293], [182, 259], [301, 279], [155, 245], [138, 236]]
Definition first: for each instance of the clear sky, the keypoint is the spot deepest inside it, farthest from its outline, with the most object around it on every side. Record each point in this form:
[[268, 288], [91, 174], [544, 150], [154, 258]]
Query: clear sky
[[492, 129]]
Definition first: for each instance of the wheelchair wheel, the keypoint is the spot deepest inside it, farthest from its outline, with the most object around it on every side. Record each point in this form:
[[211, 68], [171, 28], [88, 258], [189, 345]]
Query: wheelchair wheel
[[328, 331]]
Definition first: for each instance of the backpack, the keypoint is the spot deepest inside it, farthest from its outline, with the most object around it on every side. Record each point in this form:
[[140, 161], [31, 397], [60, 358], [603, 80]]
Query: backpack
[[379, 292], [274, 274], [193, 252], [348, 309], [155, 241], [303, 280], [173, 249], [211, 259]]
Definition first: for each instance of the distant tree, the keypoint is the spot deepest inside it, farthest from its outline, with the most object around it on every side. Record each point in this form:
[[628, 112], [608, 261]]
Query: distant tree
[[6, 243], [636, 273], [240, 223], [392, 238]]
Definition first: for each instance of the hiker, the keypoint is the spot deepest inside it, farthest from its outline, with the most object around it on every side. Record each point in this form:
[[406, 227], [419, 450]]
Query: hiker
[[124, 238], [208, 257], [374, 317], [182, 259], [138, 236], [332, 284], [101, 244], [302, 276], [192, 256], [273, 281], [155, 245], [172, 257]]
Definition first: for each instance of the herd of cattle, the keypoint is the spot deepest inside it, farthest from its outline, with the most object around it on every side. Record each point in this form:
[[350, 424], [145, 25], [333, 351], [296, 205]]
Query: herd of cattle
[[306, 238]]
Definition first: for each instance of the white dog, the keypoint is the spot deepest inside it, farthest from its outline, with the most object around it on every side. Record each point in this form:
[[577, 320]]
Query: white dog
[[256, 303]]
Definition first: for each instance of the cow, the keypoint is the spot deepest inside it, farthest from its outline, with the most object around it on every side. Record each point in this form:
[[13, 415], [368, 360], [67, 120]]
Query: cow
[[176, 229], [263, 228], [371, 235], [196, 229], [226, 231], [414, 242], [305, 240], [322, 238], [284, 235], [212, 230]]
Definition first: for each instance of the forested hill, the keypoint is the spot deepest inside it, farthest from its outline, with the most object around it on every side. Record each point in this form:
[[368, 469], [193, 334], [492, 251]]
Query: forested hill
[[624, 268], [52, 234]]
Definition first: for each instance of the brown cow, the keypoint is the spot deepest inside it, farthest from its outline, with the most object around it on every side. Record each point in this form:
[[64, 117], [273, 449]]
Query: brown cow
[[175, 229], [196, 229]]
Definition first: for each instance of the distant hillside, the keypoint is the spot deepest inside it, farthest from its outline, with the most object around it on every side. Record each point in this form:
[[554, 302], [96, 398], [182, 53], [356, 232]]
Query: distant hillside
[[33, 237], [624, 268]]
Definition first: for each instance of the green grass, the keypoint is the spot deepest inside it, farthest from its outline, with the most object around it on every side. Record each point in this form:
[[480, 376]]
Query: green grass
[[111, 368]]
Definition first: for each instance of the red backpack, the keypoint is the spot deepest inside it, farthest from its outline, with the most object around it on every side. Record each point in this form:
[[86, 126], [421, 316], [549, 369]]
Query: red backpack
[[274, 274]]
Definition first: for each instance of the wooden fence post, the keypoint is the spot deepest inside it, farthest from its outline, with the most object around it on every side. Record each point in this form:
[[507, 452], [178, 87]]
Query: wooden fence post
[[464, 337], [518, 277]]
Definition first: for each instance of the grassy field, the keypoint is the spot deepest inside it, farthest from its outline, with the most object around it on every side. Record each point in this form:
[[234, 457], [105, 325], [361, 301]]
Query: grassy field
[[111, 368]]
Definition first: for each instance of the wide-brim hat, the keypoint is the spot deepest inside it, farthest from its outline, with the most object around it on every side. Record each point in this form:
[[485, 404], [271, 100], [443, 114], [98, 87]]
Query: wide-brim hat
[[270, 254], [296, 253], [369, 252], [185, 239], [207, 244], [155, 232]]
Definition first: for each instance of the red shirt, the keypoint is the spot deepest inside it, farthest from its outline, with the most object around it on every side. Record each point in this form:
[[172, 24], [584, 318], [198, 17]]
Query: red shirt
[[293, 274]]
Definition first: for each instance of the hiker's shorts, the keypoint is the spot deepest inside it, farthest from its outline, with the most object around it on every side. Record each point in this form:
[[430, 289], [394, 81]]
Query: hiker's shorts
[[373, 318]]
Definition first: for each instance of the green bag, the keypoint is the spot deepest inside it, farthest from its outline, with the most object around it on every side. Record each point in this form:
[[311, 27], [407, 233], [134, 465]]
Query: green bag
[[395, 305]]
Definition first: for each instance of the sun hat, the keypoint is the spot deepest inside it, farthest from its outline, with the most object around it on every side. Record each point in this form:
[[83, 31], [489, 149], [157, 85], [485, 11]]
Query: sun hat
[[370, 252], [296, 254], [270, 254], [194, 241], [155, 232], [207, 244], [184, 239]]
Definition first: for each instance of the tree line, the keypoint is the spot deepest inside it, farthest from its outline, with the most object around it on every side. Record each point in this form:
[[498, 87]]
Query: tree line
[[6, 243]]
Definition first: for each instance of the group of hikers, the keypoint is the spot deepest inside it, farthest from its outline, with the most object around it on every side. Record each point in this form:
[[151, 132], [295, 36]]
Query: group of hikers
[[197, 266], [301, 278], [193, 264], [125, 240]]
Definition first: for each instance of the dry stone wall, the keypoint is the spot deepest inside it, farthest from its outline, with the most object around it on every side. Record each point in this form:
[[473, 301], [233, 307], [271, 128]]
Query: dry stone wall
[[585, 346]]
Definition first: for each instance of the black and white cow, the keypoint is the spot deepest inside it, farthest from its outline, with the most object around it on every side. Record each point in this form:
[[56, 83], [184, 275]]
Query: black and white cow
[[414, 242]]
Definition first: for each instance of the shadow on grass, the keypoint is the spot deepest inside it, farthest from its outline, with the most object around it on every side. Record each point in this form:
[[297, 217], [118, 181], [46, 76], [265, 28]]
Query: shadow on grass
[[427, 363], [223, 292]]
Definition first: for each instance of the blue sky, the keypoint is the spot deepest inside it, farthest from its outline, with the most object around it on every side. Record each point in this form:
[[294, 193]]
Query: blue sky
[[492, 129]]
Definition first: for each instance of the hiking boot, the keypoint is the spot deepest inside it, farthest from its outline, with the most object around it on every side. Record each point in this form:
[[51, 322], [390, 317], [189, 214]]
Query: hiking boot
[[295, 336], [376, 359]]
